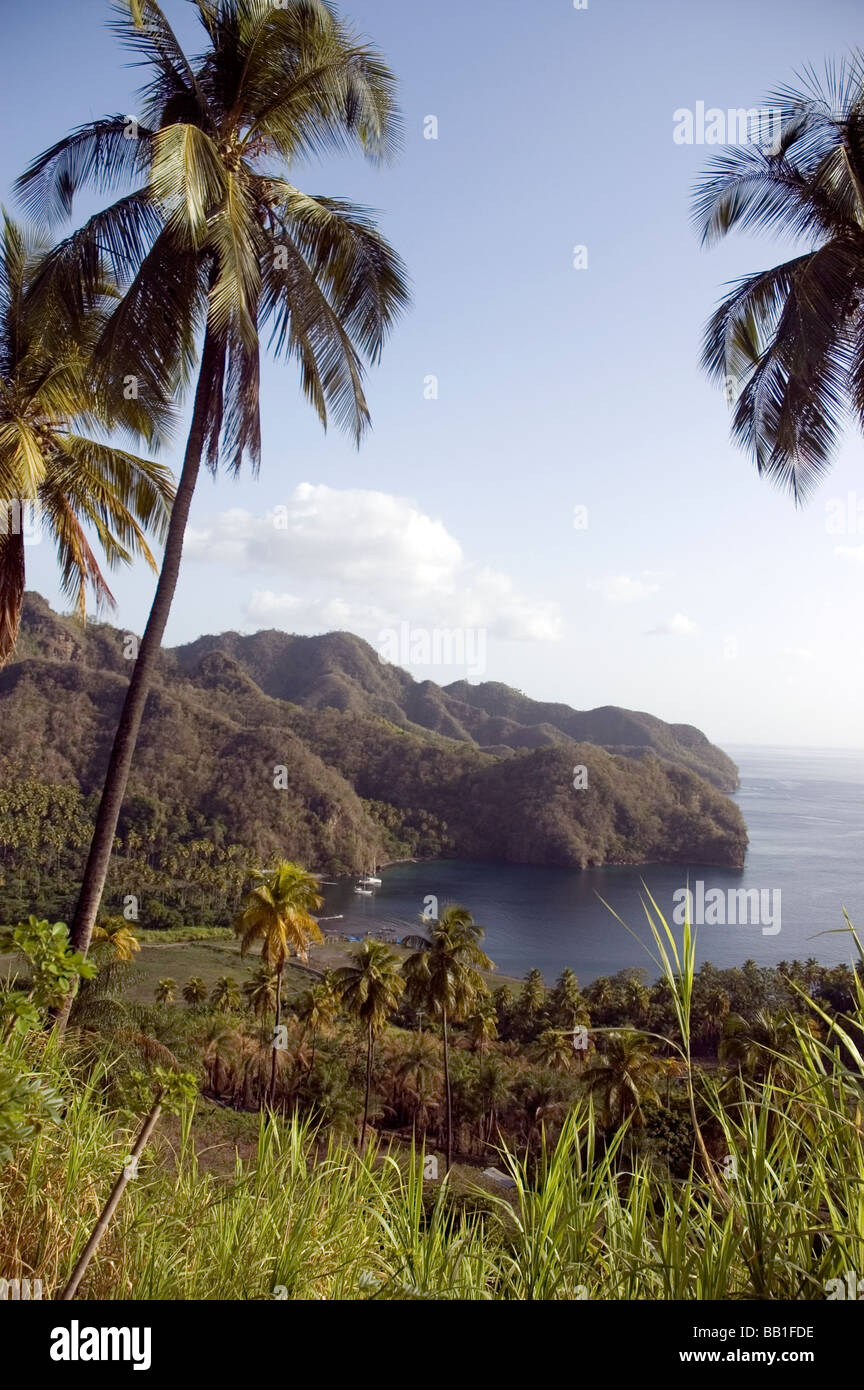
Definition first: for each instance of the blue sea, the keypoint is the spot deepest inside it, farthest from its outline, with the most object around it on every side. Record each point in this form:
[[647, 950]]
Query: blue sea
[[804, 810]]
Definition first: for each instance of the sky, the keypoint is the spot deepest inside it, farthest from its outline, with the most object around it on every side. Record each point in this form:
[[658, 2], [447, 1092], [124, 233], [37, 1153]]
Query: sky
[[550, 478]]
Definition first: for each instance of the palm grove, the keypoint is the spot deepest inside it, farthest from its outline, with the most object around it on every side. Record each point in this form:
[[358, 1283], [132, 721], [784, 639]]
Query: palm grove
[[165, 292]]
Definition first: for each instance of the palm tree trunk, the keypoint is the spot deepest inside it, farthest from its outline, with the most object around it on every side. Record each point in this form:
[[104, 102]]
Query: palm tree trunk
[[368, 1086], [12, 576], [117, 775], [448, 1094], [111, 1205], [275, 1038]]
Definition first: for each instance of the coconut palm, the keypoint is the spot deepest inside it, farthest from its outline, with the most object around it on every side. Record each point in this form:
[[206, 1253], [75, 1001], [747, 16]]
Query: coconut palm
[[417, 1069], [260, 992], [166, 990], [444, 978], [370, 989], [115, 936], [712, 1014], [554, 1049], [787, 341], [762, 1046], [225, 994], [221, 1048], [317, 1009], [624, 1076], [533, 997], [482, 1023], [566, 1002], [213, 242], [277, 915], [195, 991], [494, 1086], [56, 460]]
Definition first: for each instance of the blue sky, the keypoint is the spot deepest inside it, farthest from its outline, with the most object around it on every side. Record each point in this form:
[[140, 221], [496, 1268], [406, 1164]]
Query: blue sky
[[695, 591]]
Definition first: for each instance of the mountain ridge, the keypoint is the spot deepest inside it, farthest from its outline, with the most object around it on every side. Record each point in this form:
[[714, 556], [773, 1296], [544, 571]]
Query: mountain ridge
[[371, 764]]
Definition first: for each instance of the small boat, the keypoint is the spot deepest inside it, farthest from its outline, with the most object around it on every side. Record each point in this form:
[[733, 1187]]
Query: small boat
[[364, 892], [370, 882]]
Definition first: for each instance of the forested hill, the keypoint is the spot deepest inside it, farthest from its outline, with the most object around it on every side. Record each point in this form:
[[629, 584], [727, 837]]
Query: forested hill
[[376, 765], [342, 671]]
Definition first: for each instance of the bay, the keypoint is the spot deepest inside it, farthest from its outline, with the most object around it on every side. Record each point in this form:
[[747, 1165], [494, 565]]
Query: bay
[[804, 810]]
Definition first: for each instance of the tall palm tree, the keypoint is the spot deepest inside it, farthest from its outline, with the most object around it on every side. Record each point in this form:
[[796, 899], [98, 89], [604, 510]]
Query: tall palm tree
[[277, 914], [567, 1003], [417, 1070], [221, 1047], [317, 1009], [370, 990], [787, 341], [624, 1075], [482, 1022], [213, 242], [260, 992], [494, 1086], [444, 978], [55, 454]]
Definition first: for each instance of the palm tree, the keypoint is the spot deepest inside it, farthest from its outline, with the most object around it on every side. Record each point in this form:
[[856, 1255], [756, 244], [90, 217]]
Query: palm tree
[[625, 1075], [276, 913], [317, 1009], [225, 994], [566, 1000], [195, 991], [554, 1049], [444, 978], [370, 990], [712, 1014], [493, 1092], [417, 1069], [50, 410], [482, 1023], [166, 990], [117, 938], [787, 341], [260, 992], [221, 1047], [214, 243], [764, 1046]]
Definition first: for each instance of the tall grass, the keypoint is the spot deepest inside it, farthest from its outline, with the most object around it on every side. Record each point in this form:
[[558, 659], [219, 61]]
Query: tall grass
[[775, 1217]]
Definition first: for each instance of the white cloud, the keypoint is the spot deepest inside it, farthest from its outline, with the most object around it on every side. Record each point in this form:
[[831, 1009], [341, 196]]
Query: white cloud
[[676, 626], [355, 558], [855, 553], [625, 588]]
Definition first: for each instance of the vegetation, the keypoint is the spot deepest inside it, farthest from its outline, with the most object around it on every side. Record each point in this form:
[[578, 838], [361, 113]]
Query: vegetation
[[207, 801], [636, 1172], [50, 409], [277, 915], [211, 243], [786, 342]]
